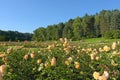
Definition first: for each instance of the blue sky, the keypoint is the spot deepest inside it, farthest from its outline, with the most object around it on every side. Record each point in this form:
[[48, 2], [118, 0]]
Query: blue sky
[[28, 15]]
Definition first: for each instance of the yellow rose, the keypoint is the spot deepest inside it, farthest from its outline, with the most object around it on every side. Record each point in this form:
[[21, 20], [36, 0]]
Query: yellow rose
[[26, 56], [102, 78], [67, 62], [97, 58], [53, 61], [77, 65], [32, 55], [92, 56], [96, 75], [2, 69], [39, 61], [114, 45], [106, 48]]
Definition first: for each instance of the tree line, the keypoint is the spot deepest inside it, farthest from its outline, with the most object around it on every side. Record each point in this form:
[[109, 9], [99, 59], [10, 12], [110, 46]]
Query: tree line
[[89, 26], [14, 36]]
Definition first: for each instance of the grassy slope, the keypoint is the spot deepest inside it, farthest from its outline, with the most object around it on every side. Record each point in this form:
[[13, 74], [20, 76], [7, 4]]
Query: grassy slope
[[97, 40]]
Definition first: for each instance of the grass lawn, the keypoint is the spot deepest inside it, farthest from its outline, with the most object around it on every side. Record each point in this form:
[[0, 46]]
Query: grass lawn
[[98, 40]]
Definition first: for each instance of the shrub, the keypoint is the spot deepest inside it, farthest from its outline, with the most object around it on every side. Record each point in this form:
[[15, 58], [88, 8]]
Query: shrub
[[60, 62]]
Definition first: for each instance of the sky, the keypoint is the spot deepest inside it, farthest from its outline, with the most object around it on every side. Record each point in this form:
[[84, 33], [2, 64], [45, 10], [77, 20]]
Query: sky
[[28, 15]]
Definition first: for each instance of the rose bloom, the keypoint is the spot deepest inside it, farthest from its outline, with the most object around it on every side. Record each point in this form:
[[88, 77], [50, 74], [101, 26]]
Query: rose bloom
[[106, 74], [46, 64], [26, 56], [96, 75], [77, 65], [2, 69], [39, 61], [67, 62], [97, 58], [61, 40], [106, 48], [53, 61], [32, 55], [102, 78], [92, 56], [70, 59], [101, 50], [66, 44], [114, 45]]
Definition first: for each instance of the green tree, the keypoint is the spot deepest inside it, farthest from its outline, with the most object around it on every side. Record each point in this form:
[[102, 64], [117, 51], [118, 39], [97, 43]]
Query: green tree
[[49, 32], [68, 29], [39, 34], [55, 32], [77, 29], [60, 29], [105, 17], [115, 20], [97, 26], [88, 26]]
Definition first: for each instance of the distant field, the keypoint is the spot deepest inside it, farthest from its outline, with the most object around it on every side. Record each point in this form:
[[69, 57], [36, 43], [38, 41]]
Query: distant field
[[97, 40]]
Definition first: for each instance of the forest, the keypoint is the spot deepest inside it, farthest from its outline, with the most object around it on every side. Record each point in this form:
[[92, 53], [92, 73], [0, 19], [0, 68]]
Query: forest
[[106, 24], [14, 36]]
